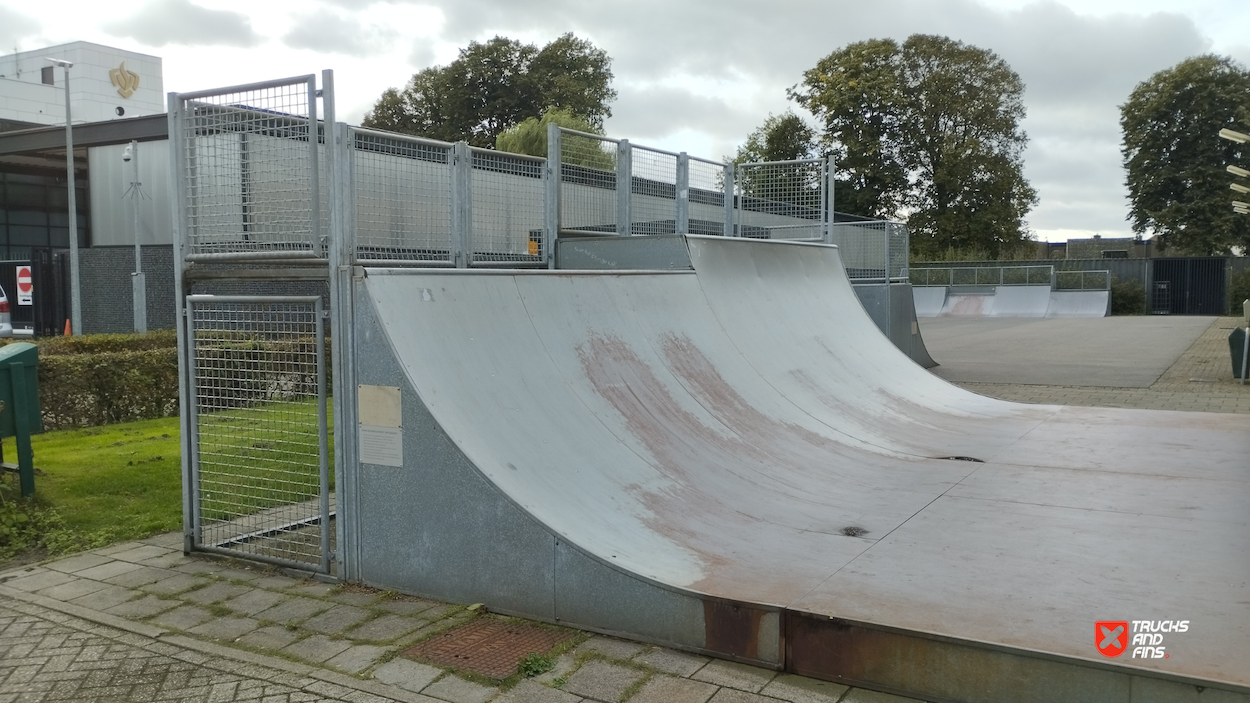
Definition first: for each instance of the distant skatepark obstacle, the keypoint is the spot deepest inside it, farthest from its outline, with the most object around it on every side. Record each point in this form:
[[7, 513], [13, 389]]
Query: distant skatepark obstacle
[[1010, 291], [727, 457]]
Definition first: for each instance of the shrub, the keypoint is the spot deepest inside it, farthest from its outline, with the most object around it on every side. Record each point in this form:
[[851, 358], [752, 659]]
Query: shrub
[[1238, 291], [1128, 297], [102, 379], [89, 389]]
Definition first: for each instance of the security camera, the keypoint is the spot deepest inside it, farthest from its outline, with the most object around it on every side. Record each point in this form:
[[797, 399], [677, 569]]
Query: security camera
[[127, 153]]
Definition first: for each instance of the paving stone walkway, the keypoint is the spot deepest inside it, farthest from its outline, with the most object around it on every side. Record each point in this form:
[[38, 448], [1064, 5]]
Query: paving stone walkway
[[1200, 379], [141, 621]]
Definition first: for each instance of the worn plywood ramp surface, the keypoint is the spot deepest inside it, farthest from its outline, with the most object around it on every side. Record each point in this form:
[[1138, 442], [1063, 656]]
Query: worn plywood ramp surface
[[743, 432]]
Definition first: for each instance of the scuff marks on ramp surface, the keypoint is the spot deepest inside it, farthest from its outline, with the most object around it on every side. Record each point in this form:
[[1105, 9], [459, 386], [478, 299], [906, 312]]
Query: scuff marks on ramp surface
[[748, 491]]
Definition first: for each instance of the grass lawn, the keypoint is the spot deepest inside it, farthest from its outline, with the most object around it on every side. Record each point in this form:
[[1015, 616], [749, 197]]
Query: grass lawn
[[108, 484], [120, 482]]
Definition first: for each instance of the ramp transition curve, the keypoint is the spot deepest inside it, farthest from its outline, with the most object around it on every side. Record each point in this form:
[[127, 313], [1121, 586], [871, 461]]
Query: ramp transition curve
[[734, 460]]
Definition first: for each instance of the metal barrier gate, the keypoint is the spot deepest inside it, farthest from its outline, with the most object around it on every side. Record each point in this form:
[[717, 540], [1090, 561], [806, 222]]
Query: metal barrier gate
[[260, 484]]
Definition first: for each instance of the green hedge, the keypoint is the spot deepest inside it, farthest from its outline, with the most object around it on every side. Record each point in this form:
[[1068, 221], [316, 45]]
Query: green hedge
[[1238, 291], [102, 379], [85, 390], [1128, 297]]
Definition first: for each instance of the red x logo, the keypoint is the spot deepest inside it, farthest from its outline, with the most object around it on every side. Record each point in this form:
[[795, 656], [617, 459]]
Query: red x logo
[[1111, 637]]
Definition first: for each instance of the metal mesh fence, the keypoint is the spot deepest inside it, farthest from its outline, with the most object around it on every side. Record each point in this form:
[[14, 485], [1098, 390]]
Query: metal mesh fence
[[507, 219], [653, 191], [982, 276], [250, 172], [587, 183], [781, 200], [260, 435], [707, 197], [900, 251], [1083, 280], [403, 197]]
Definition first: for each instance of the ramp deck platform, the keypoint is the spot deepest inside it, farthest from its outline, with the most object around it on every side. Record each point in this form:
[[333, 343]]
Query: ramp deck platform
[[733, 460]]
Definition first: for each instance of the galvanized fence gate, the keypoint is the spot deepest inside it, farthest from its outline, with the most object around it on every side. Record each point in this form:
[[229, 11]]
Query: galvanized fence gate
[[260, 480], [250, 167]]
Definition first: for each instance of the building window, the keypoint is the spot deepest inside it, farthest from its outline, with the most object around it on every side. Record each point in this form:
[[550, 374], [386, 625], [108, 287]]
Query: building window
[[1115, 254], [46, 74]]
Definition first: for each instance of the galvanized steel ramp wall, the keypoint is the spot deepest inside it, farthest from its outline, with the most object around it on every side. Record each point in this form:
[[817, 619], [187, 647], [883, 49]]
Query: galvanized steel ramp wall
[[734, 460]]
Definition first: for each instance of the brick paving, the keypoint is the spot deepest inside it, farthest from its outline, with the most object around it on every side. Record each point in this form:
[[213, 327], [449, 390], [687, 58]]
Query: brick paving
[[1201, 379], [144, 622]]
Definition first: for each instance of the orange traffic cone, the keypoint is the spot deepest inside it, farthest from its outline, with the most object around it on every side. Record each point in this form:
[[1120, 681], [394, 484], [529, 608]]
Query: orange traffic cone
[[68, 330]]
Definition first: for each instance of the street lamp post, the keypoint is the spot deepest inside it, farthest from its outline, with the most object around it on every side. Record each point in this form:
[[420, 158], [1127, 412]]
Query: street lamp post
[[138, 283], [75, 293]]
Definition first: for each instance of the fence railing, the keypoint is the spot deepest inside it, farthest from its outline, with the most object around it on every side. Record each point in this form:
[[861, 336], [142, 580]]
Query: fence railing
[[403, 194], [782, 200], [875, 251], [1082, 280], [983, 276], [249, 175]]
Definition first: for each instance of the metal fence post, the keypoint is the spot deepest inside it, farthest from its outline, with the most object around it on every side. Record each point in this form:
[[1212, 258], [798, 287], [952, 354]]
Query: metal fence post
[[551, 195], [729, 199], [826, 201], [316, 244], [177, 139], [461, 203], [342, 330], [829, 185], [624, 187], [681, 225]]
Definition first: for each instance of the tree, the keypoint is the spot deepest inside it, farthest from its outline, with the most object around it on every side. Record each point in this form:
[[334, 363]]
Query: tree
[[530, 137], [493, 86], [783, 137], [1174, 161], [931, 130]]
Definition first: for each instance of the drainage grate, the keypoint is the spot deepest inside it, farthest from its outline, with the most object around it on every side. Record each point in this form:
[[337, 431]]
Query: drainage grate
[[485, 646]]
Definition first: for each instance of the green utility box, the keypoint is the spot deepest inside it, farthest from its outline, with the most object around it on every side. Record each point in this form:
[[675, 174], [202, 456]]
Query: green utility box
[[21, 414]]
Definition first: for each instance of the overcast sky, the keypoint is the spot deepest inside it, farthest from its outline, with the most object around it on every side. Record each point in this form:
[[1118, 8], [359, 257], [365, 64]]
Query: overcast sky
[[695, 76]]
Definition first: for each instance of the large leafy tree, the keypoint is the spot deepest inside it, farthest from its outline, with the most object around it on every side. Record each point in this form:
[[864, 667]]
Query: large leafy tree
[[495, 85], [1174, 160], [928, 130], [784, 137]]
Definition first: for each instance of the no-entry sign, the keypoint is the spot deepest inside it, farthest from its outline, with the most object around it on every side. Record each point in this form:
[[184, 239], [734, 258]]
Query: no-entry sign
[[25, 289]]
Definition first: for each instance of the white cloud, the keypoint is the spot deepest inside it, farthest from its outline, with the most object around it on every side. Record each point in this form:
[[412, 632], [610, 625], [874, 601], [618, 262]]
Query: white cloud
[[180, 22]]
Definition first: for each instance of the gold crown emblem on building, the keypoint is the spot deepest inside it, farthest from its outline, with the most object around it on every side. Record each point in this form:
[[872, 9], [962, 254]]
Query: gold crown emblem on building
[[127, 82]]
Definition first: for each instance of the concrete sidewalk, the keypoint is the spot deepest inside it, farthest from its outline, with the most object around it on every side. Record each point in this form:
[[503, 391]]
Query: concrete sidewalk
[[142, 622]]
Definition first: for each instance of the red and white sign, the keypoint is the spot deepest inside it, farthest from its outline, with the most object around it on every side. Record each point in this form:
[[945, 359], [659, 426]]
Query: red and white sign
[[25, 289]]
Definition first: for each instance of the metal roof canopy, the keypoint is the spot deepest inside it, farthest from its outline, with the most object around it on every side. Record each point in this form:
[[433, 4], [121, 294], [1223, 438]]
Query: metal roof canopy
[[734, 460], [144, 129]]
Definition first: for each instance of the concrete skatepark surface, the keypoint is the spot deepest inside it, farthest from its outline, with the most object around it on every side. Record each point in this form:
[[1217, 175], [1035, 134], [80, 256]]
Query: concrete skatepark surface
[[1112, 351], [743, 434]]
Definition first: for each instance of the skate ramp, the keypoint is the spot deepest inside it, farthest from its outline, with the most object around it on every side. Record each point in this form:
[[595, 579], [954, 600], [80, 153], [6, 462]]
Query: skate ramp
[[734, 460], [1079, 303], [1010, 301], [929, 300]]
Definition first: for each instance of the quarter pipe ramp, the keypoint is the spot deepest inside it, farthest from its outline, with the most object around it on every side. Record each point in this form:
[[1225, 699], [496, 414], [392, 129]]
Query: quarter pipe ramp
[[733, 460]]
